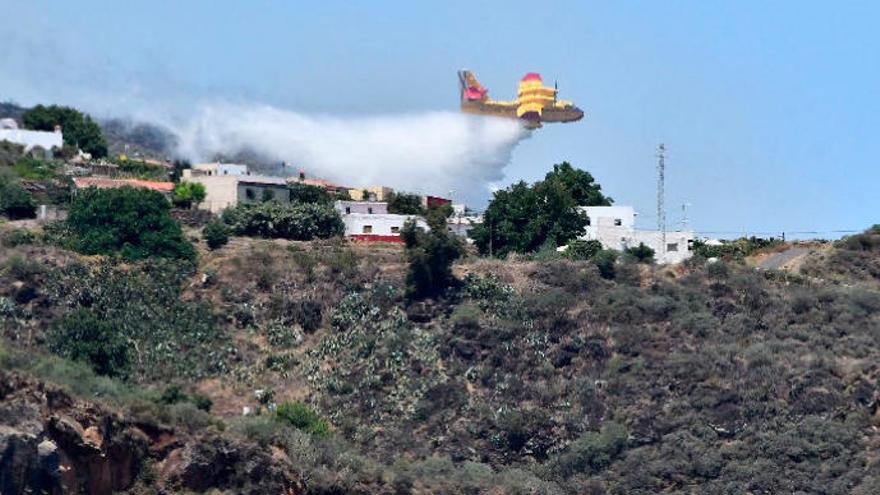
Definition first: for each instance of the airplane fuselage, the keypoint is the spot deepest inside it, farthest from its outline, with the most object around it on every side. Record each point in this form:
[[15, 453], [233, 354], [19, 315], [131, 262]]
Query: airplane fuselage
[[535, 103]]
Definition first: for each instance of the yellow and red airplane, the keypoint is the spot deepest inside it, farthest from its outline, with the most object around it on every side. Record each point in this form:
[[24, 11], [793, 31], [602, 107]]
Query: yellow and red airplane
[[534, 104]]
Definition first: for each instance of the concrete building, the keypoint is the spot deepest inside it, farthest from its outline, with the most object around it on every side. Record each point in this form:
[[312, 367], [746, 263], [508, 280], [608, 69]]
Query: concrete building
[[215, 169], [222, 191], [378, 227], [364, 207], [9, 131], [614, 227]]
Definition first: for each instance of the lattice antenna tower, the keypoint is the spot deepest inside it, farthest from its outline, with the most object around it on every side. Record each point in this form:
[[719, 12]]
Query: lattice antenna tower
[[661, 196]]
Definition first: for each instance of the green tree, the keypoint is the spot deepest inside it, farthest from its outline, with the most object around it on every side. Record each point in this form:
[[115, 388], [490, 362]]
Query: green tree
[[580, 184], [131, 222], [83, 336], [187, 194], [430, 255], [404, 204], [522, 218], [216, 233], [78, 128], [307, 193], [296, 221]]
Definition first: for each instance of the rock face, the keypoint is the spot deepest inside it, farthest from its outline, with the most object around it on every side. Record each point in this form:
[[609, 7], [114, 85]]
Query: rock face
[[52, 443]]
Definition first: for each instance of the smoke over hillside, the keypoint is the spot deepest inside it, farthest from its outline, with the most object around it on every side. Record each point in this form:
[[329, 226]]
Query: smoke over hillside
[[430, 152]]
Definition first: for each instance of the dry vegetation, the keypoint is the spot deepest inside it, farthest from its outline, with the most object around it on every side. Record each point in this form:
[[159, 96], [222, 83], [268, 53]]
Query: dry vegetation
[[531, 377]]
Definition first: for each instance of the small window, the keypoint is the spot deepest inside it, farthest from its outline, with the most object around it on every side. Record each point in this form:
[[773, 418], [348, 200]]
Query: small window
[[250, 194], [618, 222], [395, 230], [672, 247], [370, 210], [690, 244], [348, 210], [368, 229]]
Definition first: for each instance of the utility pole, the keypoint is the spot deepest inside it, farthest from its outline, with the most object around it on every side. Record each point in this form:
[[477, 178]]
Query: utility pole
[[661, 198]]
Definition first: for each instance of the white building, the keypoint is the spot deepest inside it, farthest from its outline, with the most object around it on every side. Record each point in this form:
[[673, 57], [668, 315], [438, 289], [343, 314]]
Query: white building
[[378, 227], [9, 131], [614, 227]]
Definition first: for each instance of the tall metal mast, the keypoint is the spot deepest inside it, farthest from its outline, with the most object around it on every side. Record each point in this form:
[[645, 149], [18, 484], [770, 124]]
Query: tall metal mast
[[661, 197]]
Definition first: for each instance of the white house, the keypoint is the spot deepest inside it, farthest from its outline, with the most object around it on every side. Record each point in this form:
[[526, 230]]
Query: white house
[[614, 227], [9, 131], [377, 226]]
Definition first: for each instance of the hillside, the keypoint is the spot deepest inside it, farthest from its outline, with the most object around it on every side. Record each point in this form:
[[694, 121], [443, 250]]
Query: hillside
[[538, 377]]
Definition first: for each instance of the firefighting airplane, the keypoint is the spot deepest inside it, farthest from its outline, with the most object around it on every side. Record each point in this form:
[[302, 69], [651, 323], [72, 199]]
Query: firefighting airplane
[[534, 104]]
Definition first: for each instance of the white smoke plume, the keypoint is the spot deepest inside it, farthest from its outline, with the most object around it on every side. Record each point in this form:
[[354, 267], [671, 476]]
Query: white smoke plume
[[432, 153]]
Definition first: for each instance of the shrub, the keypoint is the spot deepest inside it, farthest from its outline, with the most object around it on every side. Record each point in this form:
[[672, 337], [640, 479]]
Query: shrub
[[594, 451], [17, 237], [642, 253], [15, 202], [295, 221], [302, 417], [430, 255], [216, 234], [583, 250], [605, 261], [869, 240], [172, 395], [83, 336], [130, 222], [202, 402]]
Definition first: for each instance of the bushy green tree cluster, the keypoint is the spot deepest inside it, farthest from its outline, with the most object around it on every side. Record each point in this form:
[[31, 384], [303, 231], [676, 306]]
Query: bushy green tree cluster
[[78, 128], [15, 201], [295, 221], [307, 193], [133, 223], [403, 203], [188, 194], [523, 217], [430, 255]]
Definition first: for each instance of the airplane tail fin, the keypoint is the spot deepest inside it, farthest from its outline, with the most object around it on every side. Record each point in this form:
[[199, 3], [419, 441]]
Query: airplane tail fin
[[469, 88]]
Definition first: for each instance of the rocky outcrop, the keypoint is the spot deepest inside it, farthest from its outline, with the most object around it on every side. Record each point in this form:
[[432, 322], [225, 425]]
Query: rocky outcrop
[[52, 443]]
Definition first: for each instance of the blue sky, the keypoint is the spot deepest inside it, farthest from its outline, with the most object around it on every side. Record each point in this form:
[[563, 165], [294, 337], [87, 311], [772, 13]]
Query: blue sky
[[770, 110]]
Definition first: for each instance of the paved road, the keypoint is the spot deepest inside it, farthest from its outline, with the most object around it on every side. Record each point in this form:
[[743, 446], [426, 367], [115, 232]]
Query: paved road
[[777, 260]]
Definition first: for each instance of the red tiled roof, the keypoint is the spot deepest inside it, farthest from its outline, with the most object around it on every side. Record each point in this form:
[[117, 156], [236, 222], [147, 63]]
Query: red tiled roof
[[103, 183], [532, 76]]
